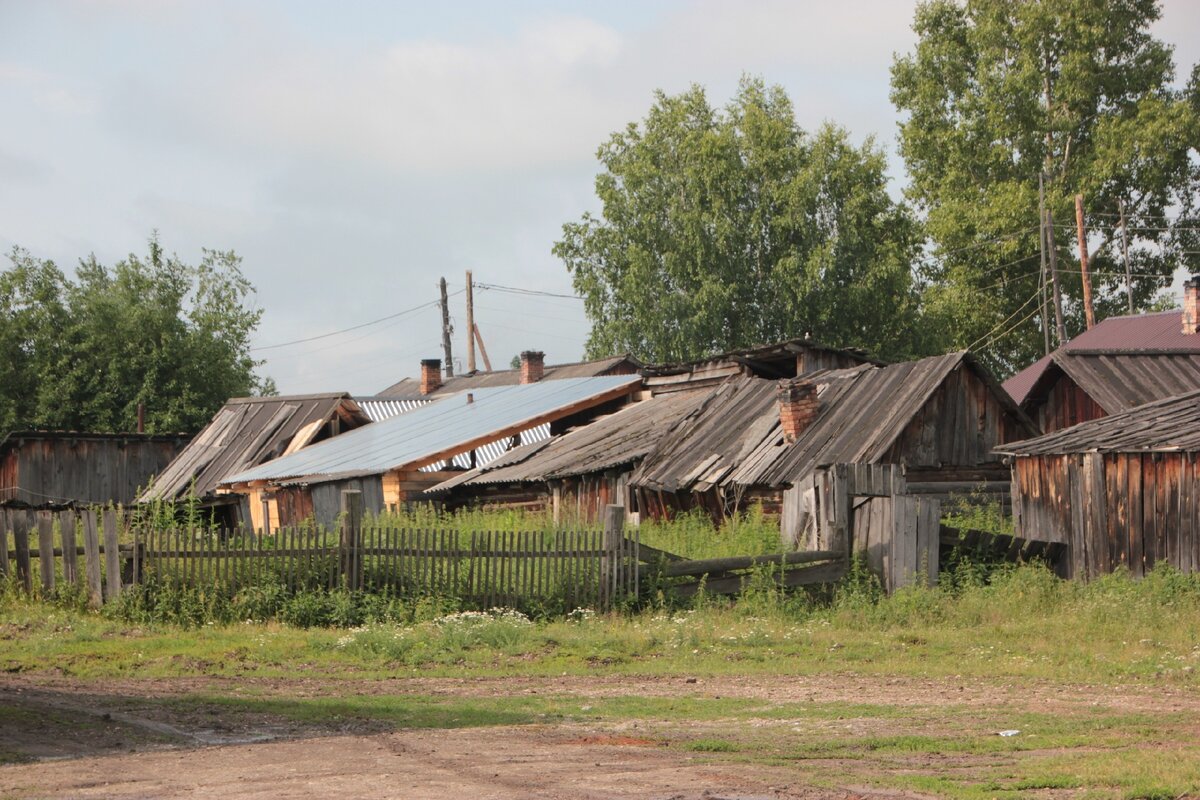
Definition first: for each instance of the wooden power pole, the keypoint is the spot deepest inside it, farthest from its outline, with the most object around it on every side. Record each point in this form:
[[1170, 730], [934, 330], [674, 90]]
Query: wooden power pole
[[1052, 249], [1043, 282], [1089, 313], [470, 323], [1125, 254], [446, 331]]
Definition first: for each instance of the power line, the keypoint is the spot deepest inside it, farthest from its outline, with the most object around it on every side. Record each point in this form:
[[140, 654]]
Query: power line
[[519, 290], [414, 309], [1021, 308]]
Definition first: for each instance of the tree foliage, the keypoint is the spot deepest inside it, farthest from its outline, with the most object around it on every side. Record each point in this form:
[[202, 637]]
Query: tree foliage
[[82, 353], [998, 91], [725, 229]]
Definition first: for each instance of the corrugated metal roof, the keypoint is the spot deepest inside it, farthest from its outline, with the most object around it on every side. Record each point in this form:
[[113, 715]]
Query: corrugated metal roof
[[1169, 425], [446, 427], [623, 437], [245, 432], [1161, 332], [410, 388], [381, 408], [735, 437]]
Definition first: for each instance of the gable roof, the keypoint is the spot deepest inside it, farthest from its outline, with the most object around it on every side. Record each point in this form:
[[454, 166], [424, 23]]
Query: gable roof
[[1163, 426], [1160, 333], [245, 432], [735, 438], [440, 430], [1121, 381], [623, 437], [410, 388]]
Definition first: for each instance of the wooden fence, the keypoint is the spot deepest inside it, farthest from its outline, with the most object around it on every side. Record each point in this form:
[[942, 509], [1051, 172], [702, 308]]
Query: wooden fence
[[483, 569]]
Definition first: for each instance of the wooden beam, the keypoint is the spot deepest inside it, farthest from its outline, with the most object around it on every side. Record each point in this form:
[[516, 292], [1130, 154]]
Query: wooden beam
[[487, 363]]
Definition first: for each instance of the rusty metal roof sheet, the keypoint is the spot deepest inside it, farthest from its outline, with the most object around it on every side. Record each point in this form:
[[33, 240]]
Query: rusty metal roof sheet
[[1170, 425], [410, 388], [623, 437], [245, 432], [441, 429], [1161, 332]]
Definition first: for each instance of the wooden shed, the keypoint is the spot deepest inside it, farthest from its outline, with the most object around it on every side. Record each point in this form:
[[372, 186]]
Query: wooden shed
[[753, 440], [1123, 490], [44, 469]]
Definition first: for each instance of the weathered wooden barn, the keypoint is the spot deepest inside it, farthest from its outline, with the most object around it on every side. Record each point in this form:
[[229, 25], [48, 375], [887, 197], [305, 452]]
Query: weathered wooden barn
[[388, 460], [577, 474], [1121, 363], [763, 441], [246, 432], [1123, 490], [47, 469]]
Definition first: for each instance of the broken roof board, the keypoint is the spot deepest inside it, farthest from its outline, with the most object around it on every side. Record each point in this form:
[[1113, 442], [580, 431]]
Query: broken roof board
[[442, 429], [245, 432], [621, 438], [1166, 426]]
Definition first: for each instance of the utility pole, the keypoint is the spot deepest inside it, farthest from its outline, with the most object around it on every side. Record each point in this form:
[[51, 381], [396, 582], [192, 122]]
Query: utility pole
[[1042, 282], [487, 364], [1053, 249], [446, 331], [1125, 253], [1089, 313], [470, 323]]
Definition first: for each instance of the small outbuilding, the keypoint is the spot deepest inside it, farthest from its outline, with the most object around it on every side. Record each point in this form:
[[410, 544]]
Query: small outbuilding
[[1123, 490], [50, 469]]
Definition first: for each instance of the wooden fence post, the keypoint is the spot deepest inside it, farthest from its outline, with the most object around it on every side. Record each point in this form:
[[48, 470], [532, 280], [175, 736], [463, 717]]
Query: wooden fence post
[[46, 551], [610, 567], [21, 544], [112, 557], [351, 549], [4, 528], [66, 524], [91, 558]]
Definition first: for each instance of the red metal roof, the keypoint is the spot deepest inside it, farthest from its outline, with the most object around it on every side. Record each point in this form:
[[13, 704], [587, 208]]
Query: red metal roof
[[1158, 332]]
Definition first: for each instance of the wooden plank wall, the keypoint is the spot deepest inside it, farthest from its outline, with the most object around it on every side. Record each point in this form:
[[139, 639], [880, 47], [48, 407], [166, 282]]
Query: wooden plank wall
[[1117, 510], [83, 471], [1066, 405]]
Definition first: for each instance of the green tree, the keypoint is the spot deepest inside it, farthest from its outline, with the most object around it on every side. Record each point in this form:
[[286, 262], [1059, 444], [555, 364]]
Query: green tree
[[999, 91], [84, 352], [725, 229]]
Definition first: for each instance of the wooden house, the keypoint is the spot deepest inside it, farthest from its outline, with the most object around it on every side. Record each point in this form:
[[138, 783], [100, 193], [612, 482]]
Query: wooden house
[[762, 441], [394, 460], [1121, 491], [246, 432], [1121, 363], [48, 469]]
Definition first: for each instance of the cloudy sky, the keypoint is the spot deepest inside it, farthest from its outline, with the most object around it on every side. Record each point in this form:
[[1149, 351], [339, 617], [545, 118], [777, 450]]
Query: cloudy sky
[[352, 153]]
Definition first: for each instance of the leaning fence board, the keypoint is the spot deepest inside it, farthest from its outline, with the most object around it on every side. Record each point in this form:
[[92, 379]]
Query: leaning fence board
[[112, 558], [21, 543], [66, 523], [91, 559], [5, 569], [46, 550]]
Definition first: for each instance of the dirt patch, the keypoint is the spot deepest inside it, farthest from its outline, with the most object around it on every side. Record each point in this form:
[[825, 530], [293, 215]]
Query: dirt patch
[[616, 741]]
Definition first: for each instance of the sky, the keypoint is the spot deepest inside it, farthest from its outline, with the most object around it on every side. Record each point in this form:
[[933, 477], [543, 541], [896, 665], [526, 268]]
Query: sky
[[354, 153]]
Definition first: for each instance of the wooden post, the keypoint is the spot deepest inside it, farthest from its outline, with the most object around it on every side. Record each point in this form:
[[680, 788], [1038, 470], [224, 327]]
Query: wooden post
[[487, 364], [614, 524], [351, 555], [66, 523], [21, 544], [470, 323], [1125, 254], [1043, 278], [91, 558], [266, 515], [1088, 312], [1052, 248], [446, 331], [46, 550], [4, 528], [112, 556]]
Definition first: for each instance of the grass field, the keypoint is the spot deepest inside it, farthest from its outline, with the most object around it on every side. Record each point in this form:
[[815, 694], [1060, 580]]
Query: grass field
[[906, 693]]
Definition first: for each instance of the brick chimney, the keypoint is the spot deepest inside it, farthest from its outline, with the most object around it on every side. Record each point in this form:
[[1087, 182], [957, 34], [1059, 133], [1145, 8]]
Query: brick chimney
[[798, 406], [431, 375], [533, 366], [1191, 305]]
